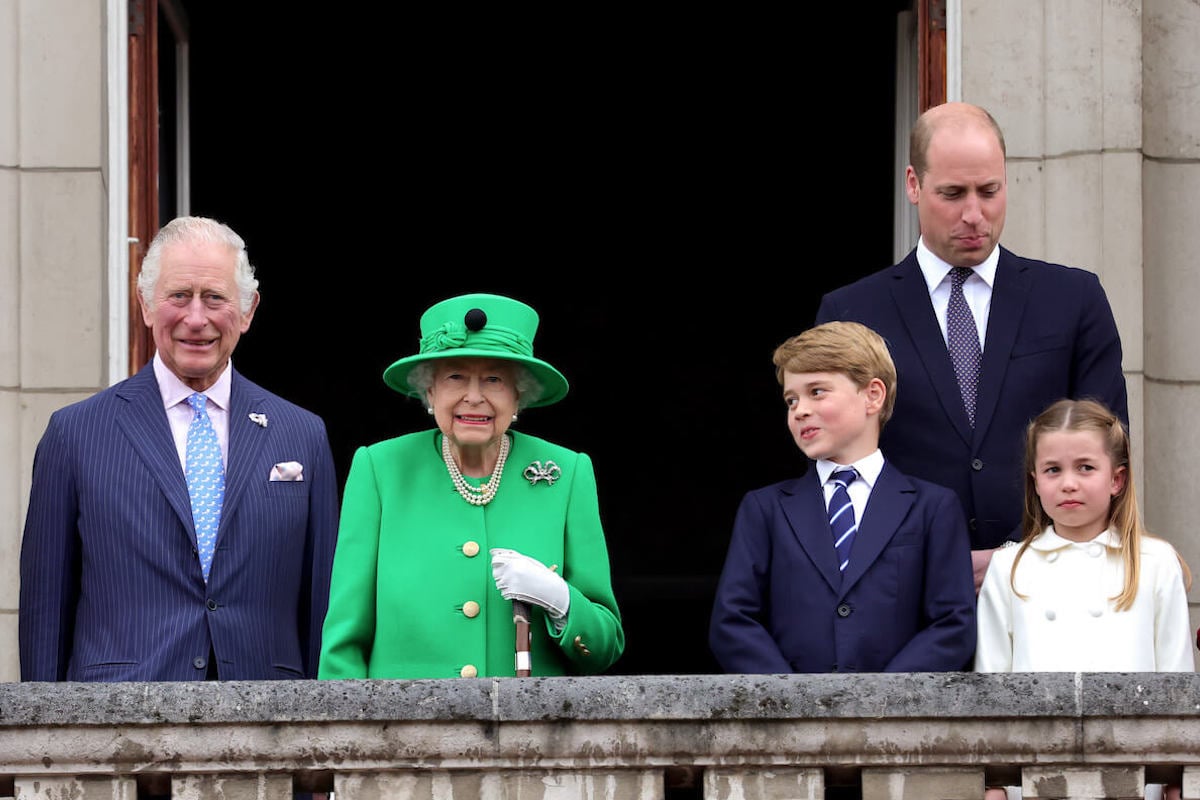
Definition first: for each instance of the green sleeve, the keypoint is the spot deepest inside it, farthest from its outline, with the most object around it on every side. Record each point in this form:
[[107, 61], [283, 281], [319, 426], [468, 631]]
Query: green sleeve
[[593, 638]]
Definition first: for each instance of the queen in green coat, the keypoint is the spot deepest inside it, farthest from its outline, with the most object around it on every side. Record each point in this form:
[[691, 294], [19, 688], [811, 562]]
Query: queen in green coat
[[442, 530]]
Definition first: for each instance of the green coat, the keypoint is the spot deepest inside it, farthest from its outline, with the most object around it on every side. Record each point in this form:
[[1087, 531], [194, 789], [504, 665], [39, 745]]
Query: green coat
[[413, 559]]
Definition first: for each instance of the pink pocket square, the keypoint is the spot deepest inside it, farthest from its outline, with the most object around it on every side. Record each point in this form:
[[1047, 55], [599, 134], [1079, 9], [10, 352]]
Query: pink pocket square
[[288, 471]]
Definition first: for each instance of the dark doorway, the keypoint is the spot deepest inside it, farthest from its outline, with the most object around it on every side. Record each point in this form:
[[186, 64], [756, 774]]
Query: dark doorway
[[672, 191]]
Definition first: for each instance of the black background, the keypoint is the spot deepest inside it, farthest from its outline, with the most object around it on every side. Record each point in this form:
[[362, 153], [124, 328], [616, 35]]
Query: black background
[[672, 192]]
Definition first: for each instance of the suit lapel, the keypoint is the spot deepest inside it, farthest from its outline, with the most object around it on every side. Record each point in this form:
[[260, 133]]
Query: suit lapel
[[143, 421], [911, 297], [1010, 294], [891, 499], [803, 505], [246, 441]]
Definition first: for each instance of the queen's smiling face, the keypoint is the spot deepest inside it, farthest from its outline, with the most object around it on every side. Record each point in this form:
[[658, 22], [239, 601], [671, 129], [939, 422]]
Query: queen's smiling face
[[473, 400]]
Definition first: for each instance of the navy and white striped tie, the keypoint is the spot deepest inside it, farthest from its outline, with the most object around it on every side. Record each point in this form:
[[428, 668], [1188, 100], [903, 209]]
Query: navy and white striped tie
[[841, 516]]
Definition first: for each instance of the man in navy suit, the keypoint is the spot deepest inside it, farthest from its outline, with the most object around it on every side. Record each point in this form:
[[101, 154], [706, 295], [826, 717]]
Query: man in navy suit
[[112, 582], [1046, 330], [875, 579]]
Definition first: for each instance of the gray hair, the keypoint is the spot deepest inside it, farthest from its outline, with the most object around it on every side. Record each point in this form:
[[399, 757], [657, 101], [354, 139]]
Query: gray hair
[[529, 388], [197, 229]]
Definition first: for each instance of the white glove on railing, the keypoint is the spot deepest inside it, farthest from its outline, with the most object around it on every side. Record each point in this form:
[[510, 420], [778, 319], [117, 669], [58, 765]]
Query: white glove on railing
[[519, 577]]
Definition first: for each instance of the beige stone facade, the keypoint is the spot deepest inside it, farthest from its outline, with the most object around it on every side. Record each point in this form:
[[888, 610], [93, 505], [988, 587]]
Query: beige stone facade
[[1098, 100]]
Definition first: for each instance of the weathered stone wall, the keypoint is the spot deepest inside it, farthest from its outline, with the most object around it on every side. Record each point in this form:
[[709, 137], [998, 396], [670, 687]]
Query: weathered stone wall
[[738, 737]]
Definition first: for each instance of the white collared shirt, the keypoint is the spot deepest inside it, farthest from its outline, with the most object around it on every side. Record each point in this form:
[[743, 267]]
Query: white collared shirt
[[868, 469], [977, 289], [179, 414]]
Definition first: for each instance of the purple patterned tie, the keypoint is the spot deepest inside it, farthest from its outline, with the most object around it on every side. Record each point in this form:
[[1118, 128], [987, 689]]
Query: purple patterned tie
[[962, 339]]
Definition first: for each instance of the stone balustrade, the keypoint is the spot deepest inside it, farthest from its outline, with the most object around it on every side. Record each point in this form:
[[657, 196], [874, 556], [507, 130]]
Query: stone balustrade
[[926, 736]]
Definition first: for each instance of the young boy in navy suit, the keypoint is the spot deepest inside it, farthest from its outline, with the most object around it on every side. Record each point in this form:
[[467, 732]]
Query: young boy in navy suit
[[895, 594]]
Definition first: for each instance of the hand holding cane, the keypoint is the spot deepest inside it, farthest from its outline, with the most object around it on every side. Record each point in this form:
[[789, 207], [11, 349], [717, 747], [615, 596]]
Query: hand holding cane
[[521, 617], [525, 580]]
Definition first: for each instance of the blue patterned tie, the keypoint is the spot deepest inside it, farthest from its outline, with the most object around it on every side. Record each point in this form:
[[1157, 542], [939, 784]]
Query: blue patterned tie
[[962, 339], [205, 479], [841, 516]]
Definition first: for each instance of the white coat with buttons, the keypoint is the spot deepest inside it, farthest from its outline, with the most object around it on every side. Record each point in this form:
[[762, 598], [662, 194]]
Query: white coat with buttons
[[1067, 622]]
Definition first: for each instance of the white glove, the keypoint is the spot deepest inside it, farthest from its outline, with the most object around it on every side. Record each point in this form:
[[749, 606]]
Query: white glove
[[519, 577]]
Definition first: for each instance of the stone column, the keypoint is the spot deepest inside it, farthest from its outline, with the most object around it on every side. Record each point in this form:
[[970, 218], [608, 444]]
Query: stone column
[[759, 783], [1171, 177], [53, 292], [11, 499], [1064, 81], [82, 788], [1079, 783]]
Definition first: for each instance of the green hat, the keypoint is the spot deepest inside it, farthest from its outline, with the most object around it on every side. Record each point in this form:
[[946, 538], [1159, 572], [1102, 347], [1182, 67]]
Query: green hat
[[480, 326]]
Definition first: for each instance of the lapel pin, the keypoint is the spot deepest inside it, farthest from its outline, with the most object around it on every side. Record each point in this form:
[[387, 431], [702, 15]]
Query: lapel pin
[[259, 419]]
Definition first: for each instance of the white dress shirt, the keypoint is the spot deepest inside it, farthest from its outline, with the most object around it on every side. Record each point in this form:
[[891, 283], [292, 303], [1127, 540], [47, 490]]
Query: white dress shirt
[[175, 394], [977, 289], [868, 469]]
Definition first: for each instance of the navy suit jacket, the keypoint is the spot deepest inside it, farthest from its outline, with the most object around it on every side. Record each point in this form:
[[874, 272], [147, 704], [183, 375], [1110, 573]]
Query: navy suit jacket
[[906, 602], [111, 586], [1050, 335]]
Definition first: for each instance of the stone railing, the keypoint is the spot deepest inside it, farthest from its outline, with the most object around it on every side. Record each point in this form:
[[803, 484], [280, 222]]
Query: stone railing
[[928, 736]]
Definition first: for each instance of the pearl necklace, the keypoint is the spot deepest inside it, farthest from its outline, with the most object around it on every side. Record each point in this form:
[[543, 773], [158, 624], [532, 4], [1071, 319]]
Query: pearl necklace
[[481, 495]]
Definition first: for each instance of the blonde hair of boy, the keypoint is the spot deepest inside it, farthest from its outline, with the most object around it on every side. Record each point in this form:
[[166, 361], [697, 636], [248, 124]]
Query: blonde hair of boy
[[1123, 514], [849, 348]]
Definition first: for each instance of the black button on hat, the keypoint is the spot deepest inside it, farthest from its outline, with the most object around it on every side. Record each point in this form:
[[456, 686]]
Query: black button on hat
[[475, 319]]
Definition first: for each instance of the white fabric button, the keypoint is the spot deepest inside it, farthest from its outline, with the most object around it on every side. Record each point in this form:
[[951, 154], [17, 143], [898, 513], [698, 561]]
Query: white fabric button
[[1052, 557], [1095, 612], [1096, 550], [1050, 615]]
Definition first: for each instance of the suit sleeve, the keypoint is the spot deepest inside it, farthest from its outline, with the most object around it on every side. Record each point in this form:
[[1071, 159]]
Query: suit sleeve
[[321, 539], [737, 634], [1096, 367], [594, 619], [350, 624], [50, 562], [947, 640]]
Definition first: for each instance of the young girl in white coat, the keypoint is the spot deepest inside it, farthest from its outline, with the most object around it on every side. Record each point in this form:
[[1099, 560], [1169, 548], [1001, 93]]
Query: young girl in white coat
[[1087, 589]]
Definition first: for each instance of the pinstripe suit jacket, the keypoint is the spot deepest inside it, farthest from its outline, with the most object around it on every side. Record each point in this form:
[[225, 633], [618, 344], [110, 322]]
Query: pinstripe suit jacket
[[111, 587]]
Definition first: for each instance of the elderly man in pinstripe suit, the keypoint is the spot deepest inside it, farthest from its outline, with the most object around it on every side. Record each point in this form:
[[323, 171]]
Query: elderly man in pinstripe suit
[[115, 583]]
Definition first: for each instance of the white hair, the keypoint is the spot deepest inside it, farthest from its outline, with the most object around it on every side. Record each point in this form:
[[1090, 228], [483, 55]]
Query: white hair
[[197, 229]]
